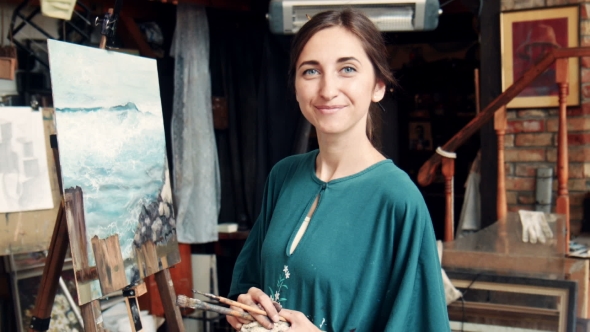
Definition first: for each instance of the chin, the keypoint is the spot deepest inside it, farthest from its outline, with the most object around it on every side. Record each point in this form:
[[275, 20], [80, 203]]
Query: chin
[[328, 129]]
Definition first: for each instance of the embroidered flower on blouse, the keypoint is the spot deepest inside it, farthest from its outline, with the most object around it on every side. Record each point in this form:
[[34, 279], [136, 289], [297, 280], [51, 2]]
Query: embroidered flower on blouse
[[276, 295]]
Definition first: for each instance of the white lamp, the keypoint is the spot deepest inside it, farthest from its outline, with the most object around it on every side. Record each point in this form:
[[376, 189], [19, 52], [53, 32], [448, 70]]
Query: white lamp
[[288, 16]]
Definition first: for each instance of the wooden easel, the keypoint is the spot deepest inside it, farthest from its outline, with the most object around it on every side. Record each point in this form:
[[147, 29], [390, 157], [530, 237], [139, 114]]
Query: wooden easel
[[91, 312]]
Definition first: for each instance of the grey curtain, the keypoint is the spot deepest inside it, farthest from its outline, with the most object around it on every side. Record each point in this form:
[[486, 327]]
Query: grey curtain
[[197, 191]]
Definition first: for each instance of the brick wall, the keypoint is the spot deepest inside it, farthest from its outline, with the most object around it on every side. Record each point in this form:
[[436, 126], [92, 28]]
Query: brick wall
[[531, 135]]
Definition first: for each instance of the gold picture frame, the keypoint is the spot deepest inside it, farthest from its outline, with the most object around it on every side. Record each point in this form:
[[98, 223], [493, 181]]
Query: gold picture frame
[[525, 37]]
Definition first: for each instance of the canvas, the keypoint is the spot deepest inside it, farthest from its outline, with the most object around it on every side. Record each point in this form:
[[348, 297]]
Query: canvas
[[113, 152], [28, 231], [24, 176]]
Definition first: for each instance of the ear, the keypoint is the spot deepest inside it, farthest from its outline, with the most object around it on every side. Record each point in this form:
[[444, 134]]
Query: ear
[[378, 91]]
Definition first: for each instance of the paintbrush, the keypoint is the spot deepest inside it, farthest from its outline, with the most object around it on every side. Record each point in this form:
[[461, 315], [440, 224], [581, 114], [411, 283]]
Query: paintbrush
[[187, 302], [246, 307]]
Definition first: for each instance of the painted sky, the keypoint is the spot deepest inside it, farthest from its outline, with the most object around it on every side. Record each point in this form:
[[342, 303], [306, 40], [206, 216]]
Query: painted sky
[[92, 77]]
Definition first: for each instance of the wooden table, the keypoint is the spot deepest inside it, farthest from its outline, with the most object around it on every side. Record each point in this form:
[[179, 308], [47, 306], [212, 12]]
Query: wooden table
[[499, 250]]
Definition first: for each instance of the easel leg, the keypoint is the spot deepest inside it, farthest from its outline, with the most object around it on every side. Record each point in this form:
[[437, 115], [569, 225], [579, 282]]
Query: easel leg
[[51, 273], [131, 294], [92, 316], [168, 296], [133, 313]]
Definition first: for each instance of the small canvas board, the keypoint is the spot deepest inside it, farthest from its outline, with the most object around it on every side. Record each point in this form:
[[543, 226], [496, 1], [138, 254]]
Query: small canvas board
[[24, 175], [30, 231]]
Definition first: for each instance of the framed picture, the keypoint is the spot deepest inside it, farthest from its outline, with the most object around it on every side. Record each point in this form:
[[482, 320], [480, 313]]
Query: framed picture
[[526, 36], [420, 136]]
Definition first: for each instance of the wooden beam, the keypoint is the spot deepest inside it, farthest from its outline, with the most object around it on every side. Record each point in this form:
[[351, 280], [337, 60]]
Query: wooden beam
[[52, 269], [168, 296], [109, 263], [571, 52], [74, 209], [92, 316]]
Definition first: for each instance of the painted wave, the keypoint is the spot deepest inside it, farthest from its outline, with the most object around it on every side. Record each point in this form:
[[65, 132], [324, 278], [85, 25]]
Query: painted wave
[[117, 156], [129, 107]]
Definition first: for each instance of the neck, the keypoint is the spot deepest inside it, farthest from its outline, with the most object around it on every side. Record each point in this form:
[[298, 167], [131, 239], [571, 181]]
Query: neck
[[343, 156]]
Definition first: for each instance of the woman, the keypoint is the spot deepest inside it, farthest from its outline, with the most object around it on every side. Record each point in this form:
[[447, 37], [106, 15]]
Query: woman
[[344, 241]]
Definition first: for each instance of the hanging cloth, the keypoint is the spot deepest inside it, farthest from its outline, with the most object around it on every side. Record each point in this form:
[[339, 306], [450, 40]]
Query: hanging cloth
[[197, 191]]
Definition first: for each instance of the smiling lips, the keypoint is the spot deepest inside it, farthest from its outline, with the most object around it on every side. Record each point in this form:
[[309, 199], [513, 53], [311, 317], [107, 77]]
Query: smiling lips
[[329, 109]]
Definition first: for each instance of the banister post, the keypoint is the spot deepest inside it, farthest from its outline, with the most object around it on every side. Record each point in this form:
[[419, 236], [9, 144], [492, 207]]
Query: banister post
[[448, 170], [500, 127], [563, 203]]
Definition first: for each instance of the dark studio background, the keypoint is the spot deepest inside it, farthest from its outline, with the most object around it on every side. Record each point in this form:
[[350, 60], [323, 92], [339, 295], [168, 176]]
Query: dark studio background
[[249, 69]]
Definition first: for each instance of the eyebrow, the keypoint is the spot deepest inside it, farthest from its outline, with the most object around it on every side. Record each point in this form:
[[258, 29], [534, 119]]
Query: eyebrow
[[340, 60]]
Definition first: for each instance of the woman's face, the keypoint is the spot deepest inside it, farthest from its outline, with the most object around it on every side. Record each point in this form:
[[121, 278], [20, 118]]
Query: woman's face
[[335, 82]]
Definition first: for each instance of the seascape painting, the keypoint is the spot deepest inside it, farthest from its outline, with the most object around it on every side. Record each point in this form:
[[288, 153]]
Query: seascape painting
[[24, 175], [113, 156]]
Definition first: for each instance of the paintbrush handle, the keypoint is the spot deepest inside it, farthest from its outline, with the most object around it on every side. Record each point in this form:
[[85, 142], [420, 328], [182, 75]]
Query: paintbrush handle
[[242, 306], [246, 307], [184, 301], [225, 311]]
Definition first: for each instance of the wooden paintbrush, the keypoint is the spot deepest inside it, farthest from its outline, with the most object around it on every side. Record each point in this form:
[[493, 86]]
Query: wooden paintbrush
[[246, 307], [187, 302]]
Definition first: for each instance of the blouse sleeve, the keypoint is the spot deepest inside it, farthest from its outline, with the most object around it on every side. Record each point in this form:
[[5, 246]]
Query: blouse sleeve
[[420, 301], [247, 270]]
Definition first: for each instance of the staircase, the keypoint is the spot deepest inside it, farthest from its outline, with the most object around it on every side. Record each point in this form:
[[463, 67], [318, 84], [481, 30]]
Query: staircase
[[497, 110]]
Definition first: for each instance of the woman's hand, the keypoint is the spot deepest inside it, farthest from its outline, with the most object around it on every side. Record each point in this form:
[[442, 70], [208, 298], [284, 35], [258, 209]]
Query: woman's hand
[[298, 321], [255, 298]]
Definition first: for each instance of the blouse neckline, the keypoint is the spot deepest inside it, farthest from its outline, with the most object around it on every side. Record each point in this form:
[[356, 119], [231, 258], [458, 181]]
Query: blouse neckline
[[345, 178]]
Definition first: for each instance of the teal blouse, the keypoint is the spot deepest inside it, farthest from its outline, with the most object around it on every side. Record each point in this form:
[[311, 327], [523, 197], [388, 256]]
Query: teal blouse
[[368, 260]]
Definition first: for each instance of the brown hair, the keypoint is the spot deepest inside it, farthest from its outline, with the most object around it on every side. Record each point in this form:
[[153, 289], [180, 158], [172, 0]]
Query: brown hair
[[359, 25]]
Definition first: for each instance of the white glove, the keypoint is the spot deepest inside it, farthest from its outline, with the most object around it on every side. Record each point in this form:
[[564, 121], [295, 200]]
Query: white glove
[[534, 226]]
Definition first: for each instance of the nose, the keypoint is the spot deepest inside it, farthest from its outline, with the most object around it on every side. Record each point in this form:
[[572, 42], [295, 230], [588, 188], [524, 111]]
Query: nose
[[328, 87]]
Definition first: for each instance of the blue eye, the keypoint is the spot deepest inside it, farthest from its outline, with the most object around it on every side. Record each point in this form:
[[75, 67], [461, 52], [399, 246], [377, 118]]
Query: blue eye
[[348, 70], [310, 72]]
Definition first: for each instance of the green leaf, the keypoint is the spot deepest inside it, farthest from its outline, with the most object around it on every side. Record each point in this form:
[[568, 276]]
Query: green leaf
[[285, 286], [282, 299], [271, 292]]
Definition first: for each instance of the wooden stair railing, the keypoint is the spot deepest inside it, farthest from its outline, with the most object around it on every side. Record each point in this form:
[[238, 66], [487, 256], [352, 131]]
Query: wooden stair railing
[[428, 170], [563, 199], [448, 170], [500, 127]]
